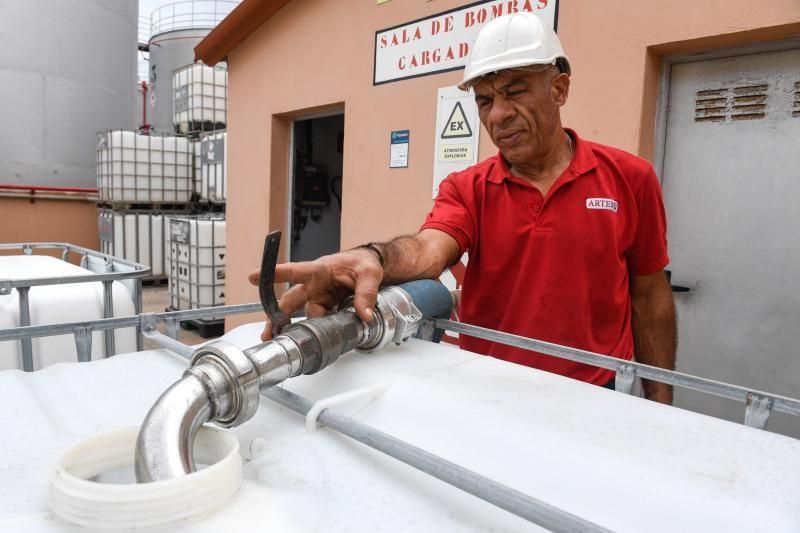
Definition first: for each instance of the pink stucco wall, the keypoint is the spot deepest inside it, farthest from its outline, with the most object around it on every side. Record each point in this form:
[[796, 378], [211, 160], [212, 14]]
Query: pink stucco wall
[[317, 55]]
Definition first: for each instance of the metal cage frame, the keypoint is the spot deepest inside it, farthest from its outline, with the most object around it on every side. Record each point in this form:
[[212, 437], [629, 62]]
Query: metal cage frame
[[116, 270], [759, 404]]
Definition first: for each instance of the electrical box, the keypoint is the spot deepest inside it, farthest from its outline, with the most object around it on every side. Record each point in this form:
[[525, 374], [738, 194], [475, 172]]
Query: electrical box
[[313, 187]]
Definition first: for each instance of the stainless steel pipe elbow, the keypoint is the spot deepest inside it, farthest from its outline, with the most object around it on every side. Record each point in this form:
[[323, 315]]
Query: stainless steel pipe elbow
[[223, 383]]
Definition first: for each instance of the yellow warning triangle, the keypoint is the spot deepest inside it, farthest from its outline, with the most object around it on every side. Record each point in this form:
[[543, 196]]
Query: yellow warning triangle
[[457, 125]]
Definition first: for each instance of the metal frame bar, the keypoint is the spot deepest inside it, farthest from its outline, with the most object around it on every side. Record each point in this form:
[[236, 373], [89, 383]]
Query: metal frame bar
[[758, 403], [507, 498], [139, 271], [127, 321]]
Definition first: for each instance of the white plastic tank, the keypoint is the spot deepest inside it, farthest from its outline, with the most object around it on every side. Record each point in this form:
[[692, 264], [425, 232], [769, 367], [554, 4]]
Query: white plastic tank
[[138, 236], [622, 462], [211, 181], [136, 168], [58, 304], [196, 261], [200, 98], [67, 71], [175, 29]]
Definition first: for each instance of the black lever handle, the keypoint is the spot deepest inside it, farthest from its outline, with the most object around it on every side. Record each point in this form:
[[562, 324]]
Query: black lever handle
[[675, 288], [266, 283]]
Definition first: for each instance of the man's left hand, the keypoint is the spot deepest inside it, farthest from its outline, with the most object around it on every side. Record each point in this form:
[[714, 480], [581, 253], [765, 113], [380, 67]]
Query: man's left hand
[[654, 335]]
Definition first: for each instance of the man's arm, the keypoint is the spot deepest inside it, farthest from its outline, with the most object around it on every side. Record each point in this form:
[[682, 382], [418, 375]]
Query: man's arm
[[654, 333], [319, 285]]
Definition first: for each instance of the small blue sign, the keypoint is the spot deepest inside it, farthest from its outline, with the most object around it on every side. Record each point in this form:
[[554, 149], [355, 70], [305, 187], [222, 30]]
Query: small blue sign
[[400, 137]]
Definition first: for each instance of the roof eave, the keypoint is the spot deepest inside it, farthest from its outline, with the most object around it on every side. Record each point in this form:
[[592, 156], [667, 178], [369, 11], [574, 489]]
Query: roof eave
[[245, 19]]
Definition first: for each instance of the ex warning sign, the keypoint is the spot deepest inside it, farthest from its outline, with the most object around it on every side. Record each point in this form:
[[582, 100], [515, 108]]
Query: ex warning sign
[[457, 132], [457, 126]]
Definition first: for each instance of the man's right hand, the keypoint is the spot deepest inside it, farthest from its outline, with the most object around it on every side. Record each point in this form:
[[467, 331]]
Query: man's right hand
[[321, 284]]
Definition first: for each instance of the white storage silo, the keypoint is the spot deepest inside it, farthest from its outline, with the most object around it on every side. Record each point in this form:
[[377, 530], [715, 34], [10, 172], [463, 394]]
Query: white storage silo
[[175, 30], [67, 71]]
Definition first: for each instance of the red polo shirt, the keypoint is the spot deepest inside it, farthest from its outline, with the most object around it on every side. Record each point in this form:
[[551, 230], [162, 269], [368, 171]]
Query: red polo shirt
[[555, 268]]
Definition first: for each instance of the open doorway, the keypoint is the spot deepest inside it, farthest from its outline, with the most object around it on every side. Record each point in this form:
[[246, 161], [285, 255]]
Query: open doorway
[[315, 210]]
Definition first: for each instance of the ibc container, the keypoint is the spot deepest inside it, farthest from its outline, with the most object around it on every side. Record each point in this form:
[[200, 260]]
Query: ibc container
[[200, 98], [139, 236], [56, 304], [136, 168], [211, 182], [196, 261]]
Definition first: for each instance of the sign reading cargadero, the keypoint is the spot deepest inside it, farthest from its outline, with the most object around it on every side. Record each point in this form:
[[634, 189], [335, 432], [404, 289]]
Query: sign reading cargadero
[[441, 42]]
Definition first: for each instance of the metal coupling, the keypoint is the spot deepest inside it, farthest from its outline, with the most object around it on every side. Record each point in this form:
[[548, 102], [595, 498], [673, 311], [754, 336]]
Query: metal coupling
[[396, 320], [243, 377]]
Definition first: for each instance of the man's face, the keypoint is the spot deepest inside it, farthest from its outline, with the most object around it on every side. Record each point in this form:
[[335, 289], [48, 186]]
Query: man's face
[[520, 110]]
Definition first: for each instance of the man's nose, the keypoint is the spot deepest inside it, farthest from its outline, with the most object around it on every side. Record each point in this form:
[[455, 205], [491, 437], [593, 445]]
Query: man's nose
[[501, 112]]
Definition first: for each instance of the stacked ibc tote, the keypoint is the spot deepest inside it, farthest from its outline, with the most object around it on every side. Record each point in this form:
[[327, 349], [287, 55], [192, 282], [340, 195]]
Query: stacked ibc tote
[[196, 253], [162, 196], [162, 188]]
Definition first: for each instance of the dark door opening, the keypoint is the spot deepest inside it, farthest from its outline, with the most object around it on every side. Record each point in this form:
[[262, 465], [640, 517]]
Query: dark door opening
[[316, 209]]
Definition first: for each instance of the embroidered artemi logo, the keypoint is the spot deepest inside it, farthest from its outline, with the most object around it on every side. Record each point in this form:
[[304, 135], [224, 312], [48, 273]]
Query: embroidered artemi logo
[[602, 203]]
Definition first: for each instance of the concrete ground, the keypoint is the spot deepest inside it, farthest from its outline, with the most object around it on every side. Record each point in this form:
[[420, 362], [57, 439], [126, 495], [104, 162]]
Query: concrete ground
[[155, 300]]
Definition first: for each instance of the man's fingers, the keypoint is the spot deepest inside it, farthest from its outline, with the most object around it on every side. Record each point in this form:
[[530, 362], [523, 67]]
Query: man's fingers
[[366, 296], [288, 273], [293, 299], [266, 335], [295, 272], [314, 309]]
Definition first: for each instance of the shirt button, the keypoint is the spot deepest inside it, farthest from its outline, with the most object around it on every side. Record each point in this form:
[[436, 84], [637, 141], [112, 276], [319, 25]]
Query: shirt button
[[536, 207]]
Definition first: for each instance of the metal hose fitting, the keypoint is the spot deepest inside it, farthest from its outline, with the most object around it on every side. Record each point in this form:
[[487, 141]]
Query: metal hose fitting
[[223, 382]]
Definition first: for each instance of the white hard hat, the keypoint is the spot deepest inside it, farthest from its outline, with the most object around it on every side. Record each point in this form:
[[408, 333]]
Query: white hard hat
[[512, 41]]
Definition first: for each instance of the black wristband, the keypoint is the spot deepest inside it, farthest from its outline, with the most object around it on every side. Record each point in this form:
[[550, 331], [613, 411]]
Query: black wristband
[[371, 246]]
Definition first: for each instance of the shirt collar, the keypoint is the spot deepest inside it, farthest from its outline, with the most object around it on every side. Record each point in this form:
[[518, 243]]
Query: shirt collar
[[583, 161]]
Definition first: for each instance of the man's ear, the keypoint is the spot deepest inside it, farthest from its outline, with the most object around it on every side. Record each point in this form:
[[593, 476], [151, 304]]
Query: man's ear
[[559, 88]]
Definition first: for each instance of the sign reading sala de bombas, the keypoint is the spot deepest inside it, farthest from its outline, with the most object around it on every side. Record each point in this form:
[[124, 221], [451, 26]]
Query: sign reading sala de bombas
[[441, 42]]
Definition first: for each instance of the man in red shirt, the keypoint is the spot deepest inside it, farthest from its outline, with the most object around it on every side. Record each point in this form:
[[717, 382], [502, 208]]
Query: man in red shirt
[[566, 238]]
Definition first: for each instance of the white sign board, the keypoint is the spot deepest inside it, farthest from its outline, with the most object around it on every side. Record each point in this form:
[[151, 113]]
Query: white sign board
[[442, 42], [457, 133], [398, 149]]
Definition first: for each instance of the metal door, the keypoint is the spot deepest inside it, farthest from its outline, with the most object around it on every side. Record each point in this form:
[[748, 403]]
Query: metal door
[[731, 182]]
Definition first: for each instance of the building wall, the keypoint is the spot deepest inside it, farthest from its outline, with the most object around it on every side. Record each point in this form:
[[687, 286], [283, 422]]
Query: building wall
[[49, 220], [313, 55]]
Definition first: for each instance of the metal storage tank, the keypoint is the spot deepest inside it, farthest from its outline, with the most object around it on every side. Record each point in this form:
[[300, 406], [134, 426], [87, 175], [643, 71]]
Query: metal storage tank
[[67, 71], [175, 29]]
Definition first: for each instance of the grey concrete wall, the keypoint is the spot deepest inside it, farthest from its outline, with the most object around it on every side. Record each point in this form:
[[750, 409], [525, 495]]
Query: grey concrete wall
[[67, 71]]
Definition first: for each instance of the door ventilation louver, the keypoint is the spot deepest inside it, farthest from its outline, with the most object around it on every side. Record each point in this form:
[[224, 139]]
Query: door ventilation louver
[[711, 105], [796, 104], [747, 102]]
